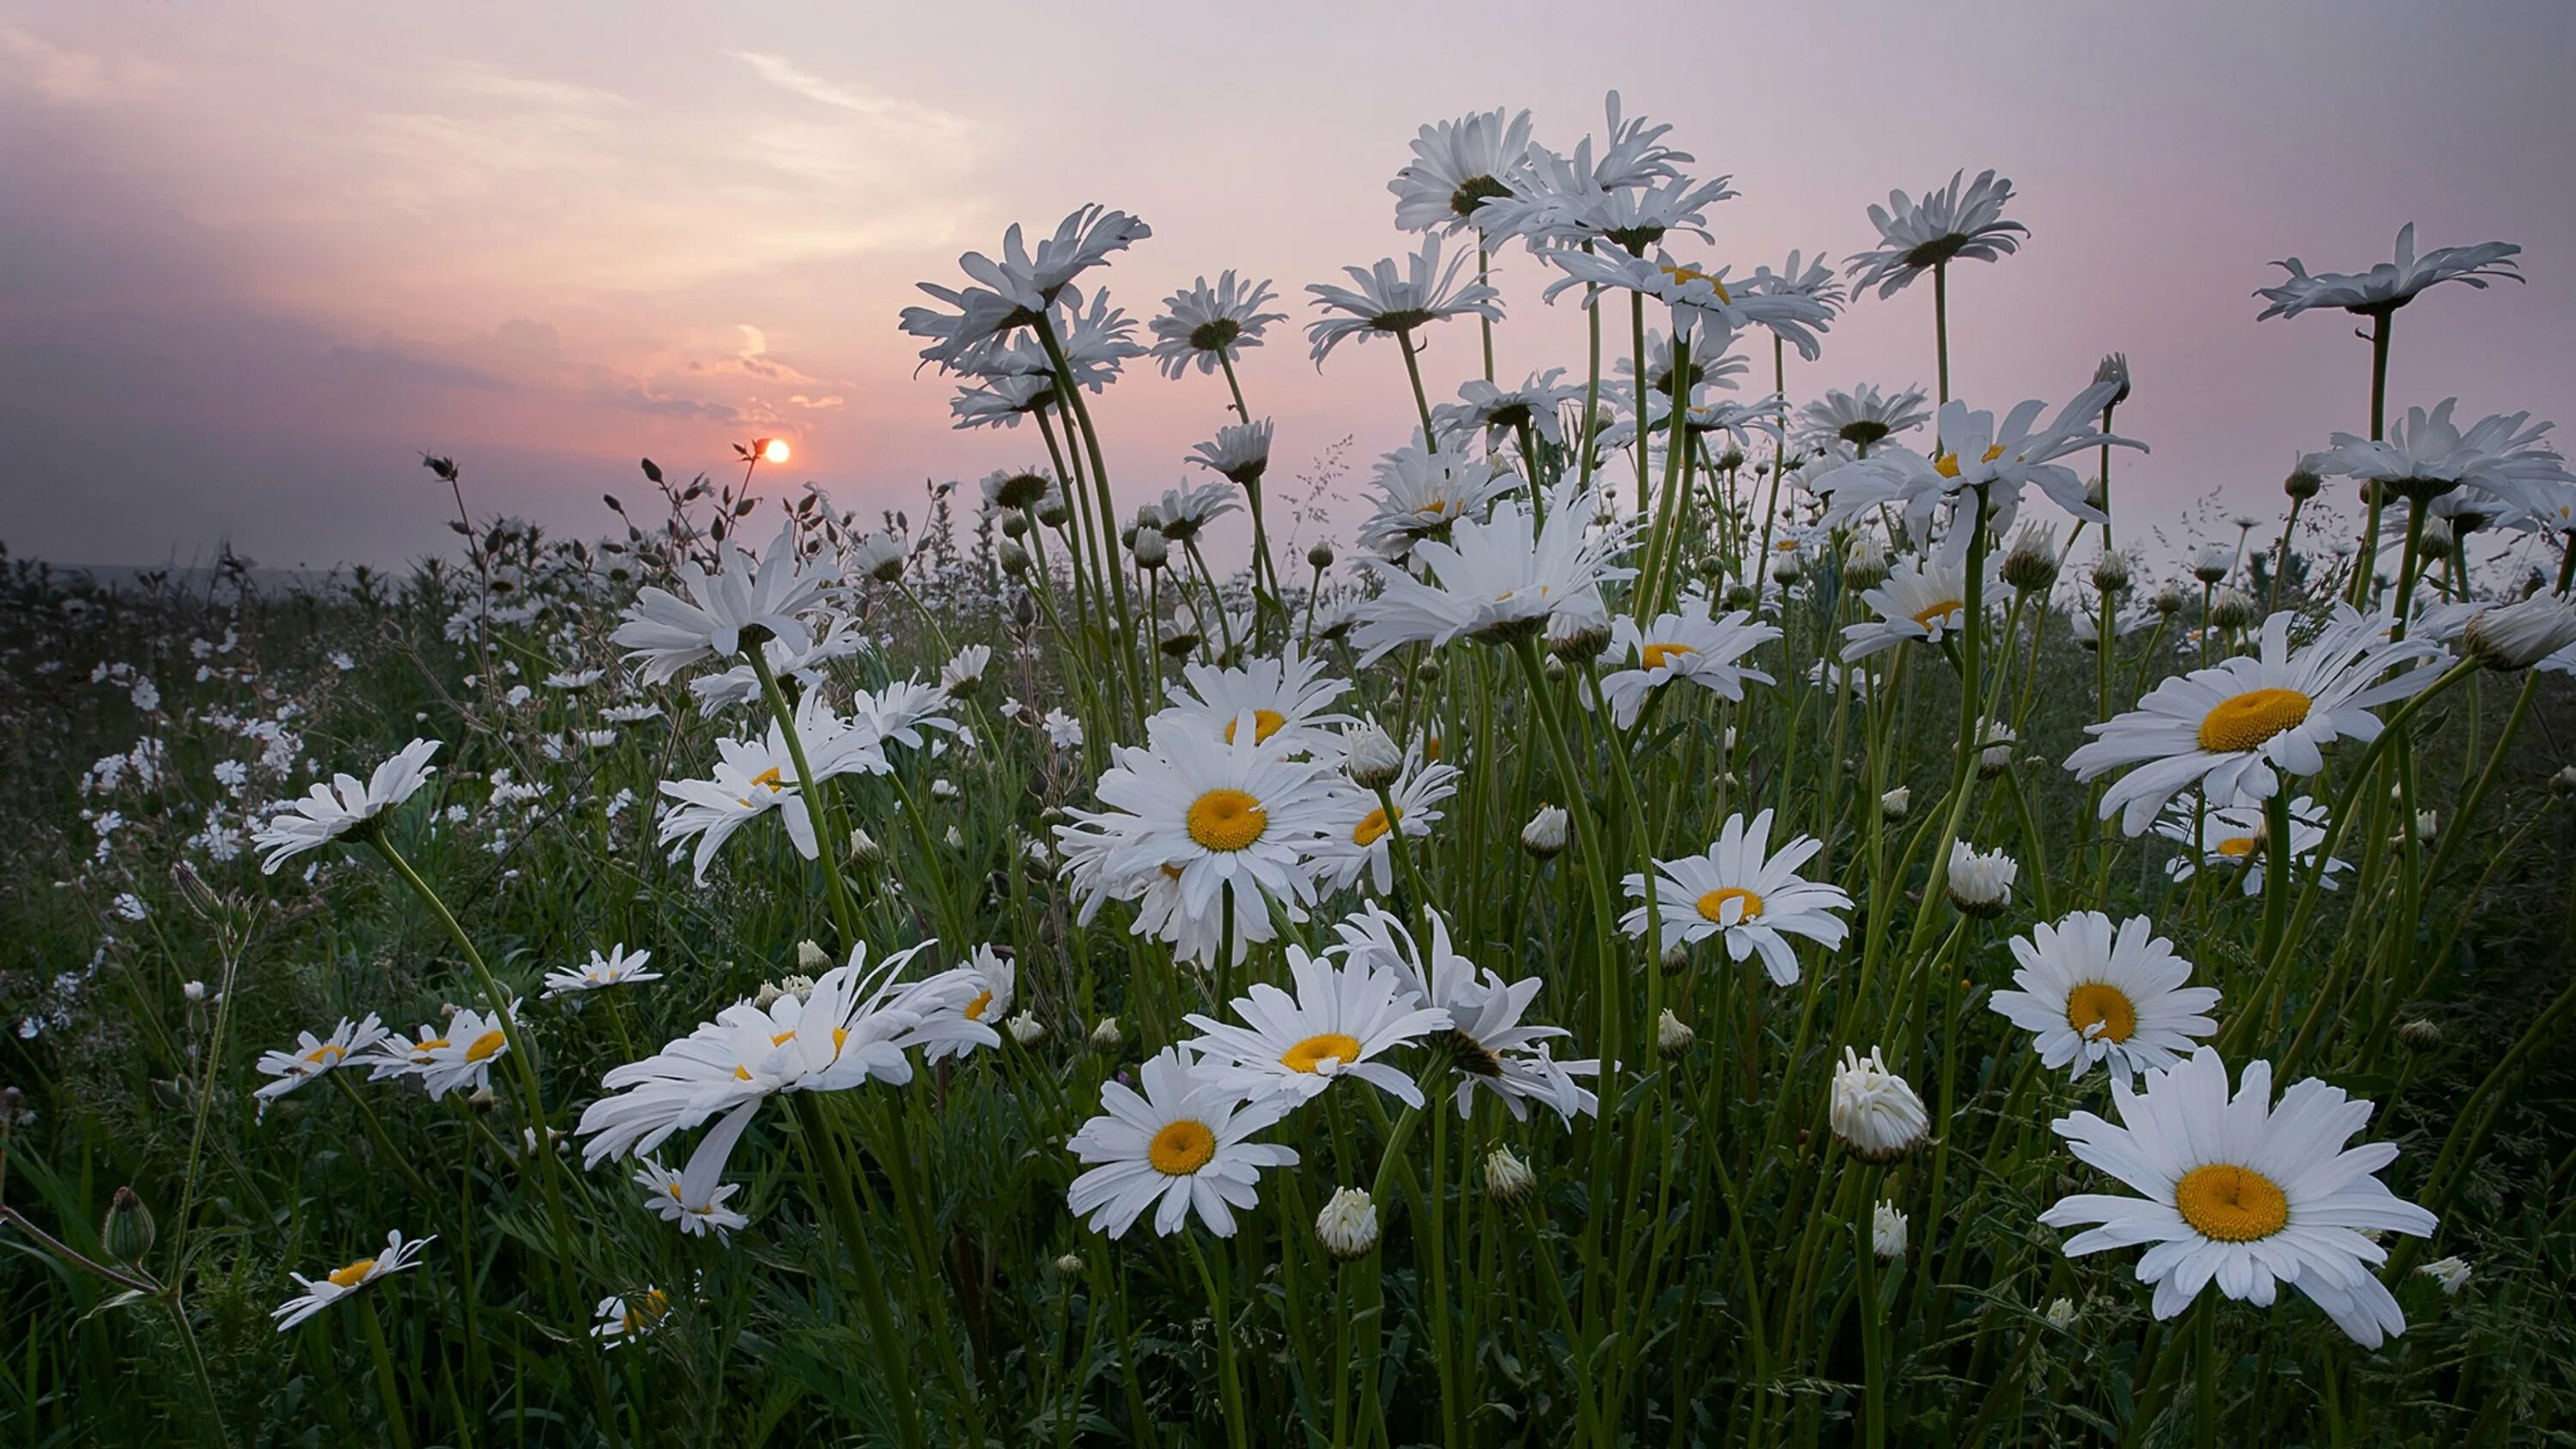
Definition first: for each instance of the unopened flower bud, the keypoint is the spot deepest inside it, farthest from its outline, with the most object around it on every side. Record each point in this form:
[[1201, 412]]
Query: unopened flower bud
[[1015, 525], [1865, 563], [201, 897], [2168, 599], [1673, 1037], [2304, 481], [2438, 537], [126, 1233], [1544, 836], [2450, 1274], [1106, 1038], [1995, 749], [1027, 1030], [2111, 573], [2030, 565], [1677, 959], [1370, 757], [1053, 512], [1888, 1231], [1152, 548], [1014, 559], [2233, 608], [2428, 825], [2521, 634], [2114, 367], [1428, 670], [811, 958], [2061, 1313], [1320, 557], [2420, 1034], [194, 991], [2563, 784], [1896, 804], [2213, 563], [1981, 884], [1785, 568], [864, 850], [1347, 1227], [1507, 1179], [1069, 1265]]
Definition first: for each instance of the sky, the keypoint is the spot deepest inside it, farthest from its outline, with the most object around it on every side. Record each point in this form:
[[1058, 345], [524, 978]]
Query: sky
[[255, 259]]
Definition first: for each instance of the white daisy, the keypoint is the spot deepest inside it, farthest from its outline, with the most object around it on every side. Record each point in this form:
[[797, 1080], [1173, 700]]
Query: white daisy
[[2389, 285], [629, 1316], [1185, 510], [1685, 644], [1419, 493], [2241, 1193], [1915, 237], [668, 633], [620, 967], [1386, 302], [1016, 290], [456, 1057], [312, 1057], [343, 806], [1459, 167], [1872, 1110], [695, 1197], [1706, 309], [1487, 1044], [1182, 1143], [2426, 456], [1862, 417], [2232, 838], [1925, 599], [1538, 404], [964, 672], [2234, 729], [1360, 839], [1741, 890], [1497, 580], [320, 1293], [1288, 697], [1339, 1021], [960, 1007], [1979, 456], [2094, 993], [1239, 452], [1210, 326]]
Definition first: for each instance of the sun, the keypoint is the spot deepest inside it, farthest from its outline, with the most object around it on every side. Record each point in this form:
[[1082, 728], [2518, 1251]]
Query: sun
[[773, 450]]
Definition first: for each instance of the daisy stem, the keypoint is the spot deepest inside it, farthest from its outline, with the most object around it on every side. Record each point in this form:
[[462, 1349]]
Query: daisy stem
[[1421, 402], [386, 1383], [2280, 560], [2368, 555], [384, 1142], [1237, 1426], [1663, 550], [1941, 328], [1596, 864], [828, 840], [2205, 1367], [1591, 390], [1484, 266], [1225, 359], [1121, 638], [1638, 390], [823, 1152], [2409, 564], [1075, 539]]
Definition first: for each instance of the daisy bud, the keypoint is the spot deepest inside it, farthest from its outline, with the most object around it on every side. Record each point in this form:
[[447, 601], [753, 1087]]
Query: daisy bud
[[1014, 559], [2167, 600], [1785, 568], [1554, 669], [1981, 885], [1507, 1178], [1995, 749], [1179, 640], [1865, 563], [2213, 563], [1152, 548], [1875, 1114], [1544, 836], [1347, 1226], [201, 897], [2111, 573], [1105, 1038], [1069, 1266], [2420, 1035], [1428, 671], [1677, 959], [2564, 782], [1888, 1230], [1370, 758], [2428, 825], [2030, 565], [2519, 635], [2114, 368], [1027, 1030], [1053, 512], [2304, 481], [1896, 804], [1673, 1036], [2061, 1313], [864, 850], [195, 991], [797, 985], [2451, 1273], [2438, 537], [1320, 557], [768, 994], [1015, 525], [2233, 608], [956, 840], [126, 1233], [1741, 596], [811, 958], [1024, 610]]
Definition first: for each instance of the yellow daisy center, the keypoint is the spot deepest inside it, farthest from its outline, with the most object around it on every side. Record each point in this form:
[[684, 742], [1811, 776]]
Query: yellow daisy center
[[2094, 1004], [487, 1046], [1713, 905], [353, 1275], [650, 1308], [2245, 721], [1656, 656], [2231, 1204], [769, 777], [423, 1047], [1227, 820], [1929, 617], [975, 1008], [1374, 828], [783, 1038], [1684, 275], [326, 1052], [1431, 749], [2237, 847], [1265, 723], [1947, 465], [1181, 1148], [1309, 1055]]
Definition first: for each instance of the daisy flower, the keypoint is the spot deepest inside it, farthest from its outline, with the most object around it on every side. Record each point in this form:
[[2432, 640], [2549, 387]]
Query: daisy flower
[[1289, 699], [695, 1196], [1239, 452], [1701, 300], [620, 967], [2390, 285], [2095, 993], [1338, 1022], [1702, 367], [1538, 404], [2231, 838], [312, 1057], [1486, 1042], [1685, 644], [1915, 237], [2237, 1191], [1741, 890], [1015, 290], [962, 674], [1566, 209], [344, 806], [1018, 490], [1181, 1144], [1873, 1111], [1862, 417], [1000, 402], [1210, 326], [320, 1293], [622, 1318], [1924, 600], [1187, 509], [1385, 302], [1799, 277], [2426, 456], [2234, 729], [667, 633], [1457, 168], [960, 1007], [1360, 839], [1497, 580], [1421, 492], [456, 1057], [1996, 462]]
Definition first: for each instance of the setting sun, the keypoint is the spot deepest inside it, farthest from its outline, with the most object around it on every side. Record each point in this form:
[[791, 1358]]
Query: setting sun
[[774, 450]]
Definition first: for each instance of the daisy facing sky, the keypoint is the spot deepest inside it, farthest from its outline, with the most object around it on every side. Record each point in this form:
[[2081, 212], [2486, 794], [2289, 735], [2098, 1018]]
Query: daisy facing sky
[[2097, 993], [1174, 1143], [1746, 893]]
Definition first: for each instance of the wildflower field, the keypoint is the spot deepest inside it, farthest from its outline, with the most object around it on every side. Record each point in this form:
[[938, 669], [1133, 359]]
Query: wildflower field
[[1725, 905]]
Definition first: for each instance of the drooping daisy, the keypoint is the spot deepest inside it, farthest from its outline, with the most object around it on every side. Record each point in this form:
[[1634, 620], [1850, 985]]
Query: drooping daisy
[[1561, 205], [1421, 492], [1914, 237], [1925, 599], [2231, 838], [312, 1057], [1360, 840], [1340, 1021], [1181, 1144], [344, 806], [1457, 168], [2234, 729], [1561, 198], [1861, 418], [1799, 277], [1747, 893], [695, 1196], [620, 967], [2241, 1193], [961, 1007], [2095, 993], [2389, 285], [667, 633], [1384, 302], [320, 1293], [1486, 1042], [1685, 644], [1210, 326], [1980, 457], [1497, 580], [1289, 698]]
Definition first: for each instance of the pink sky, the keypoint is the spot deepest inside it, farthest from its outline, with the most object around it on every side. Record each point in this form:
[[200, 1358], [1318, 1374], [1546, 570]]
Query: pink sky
[[256, 258]]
